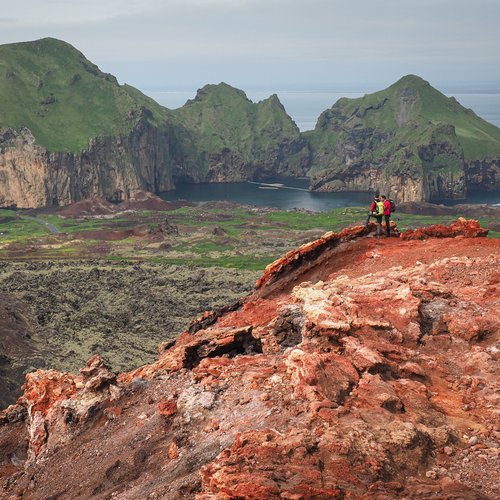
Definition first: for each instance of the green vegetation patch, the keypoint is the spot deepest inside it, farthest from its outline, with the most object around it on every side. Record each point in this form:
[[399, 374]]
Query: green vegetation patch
[[64, 99], [233, 237], [16, 229]]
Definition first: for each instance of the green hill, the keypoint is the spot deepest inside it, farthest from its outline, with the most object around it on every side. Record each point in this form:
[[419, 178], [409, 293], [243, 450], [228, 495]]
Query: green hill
[[64, 99], [106, 139], [409, 130], [232, 131]]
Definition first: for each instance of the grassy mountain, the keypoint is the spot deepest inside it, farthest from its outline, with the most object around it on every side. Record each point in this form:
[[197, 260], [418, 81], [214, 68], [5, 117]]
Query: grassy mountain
[[64, 99], [409, 130], [223, 116], [230, 128]]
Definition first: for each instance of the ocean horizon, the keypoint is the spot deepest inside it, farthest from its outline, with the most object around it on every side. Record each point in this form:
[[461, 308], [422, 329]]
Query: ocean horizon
[[305, 106]]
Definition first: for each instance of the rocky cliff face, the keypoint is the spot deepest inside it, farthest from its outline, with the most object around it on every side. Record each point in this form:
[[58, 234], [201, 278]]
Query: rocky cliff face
[[358, 367], [483, 174], [432, 172], [112, 167], [236, 140]]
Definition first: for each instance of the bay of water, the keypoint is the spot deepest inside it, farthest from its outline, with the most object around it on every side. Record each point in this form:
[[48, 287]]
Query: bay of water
[[306, 106], [288, 194], [293, 194]]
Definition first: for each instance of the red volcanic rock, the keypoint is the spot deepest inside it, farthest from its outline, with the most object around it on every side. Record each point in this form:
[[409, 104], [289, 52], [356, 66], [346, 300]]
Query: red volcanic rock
[[44, 388], [255, 467], [308, 252], [141, 200], [360, 368], [173, 451], [462, 227], [90, 206], [144, 200], [167, 408], [97, 375]]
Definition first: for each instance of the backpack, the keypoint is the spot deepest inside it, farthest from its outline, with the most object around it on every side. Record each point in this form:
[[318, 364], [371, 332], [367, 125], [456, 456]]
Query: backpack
[[379, 207], [393, 206]]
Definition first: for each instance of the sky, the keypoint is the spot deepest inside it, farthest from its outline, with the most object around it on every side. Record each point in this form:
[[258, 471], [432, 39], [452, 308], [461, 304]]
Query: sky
[[272, 44]]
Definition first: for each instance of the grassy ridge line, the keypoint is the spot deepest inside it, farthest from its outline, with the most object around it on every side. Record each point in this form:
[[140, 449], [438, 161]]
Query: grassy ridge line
[[425, 106], [64, 99]]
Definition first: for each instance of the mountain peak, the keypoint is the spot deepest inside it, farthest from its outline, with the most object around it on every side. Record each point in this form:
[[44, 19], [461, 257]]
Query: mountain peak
[[219, 90], [46, 45], [411, 80]]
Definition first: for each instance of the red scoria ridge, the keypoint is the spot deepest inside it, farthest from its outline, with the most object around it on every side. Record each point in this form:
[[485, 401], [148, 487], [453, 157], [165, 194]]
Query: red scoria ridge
[[358, 368]]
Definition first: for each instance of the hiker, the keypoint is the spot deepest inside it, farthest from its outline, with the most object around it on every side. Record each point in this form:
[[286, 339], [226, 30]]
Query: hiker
[[377, 211], [387, 215]]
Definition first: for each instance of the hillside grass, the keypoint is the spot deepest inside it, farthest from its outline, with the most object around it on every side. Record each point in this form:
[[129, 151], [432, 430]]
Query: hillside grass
[[64, 99], [222, 116], [413, 113]]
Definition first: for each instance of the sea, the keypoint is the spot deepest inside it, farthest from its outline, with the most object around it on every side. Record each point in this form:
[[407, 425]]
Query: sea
[[304, 107]]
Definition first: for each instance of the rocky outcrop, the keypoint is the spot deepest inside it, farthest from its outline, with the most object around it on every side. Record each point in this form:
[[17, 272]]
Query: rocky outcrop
[[479, 211], [237, 140], [483, 174], [361, 177], [469, 229], [115, 168], [394, 141], [369, 373], [434, 171]]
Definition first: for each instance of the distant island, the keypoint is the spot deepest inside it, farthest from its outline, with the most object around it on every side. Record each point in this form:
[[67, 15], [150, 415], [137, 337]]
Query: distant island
[[69, 132]]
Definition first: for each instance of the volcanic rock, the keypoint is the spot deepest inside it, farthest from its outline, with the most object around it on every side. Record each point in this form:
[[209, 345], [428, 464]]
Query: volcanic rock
[[341, 375], [143, 200], [90, 206]]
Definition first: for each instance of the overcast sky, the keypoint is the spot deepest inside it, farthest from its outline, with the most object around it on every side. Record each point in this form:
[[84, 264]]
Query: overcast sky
[[271, 44]]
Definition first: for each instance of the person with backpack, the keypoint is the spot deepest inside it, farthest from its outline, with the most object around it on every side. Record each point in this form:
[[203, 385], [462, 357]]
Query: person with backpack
[[376, 211], [387, 214]]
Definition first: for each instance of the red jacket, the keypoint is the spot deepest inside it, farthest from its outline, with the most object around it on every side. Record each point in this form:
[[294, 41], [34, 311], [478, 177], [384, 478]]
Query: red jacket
[[387, 207]]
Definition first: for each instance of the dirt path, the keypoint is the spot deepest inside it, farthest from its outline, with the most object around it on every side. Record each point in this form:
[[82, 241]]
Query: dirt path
[[53, 229]]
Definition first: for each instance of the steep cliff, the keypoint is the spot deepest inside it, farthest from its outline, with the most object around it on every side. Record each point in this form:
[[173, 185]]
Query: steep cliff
[[357, 368], [115, 167], [409, 141], [70, 131]]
